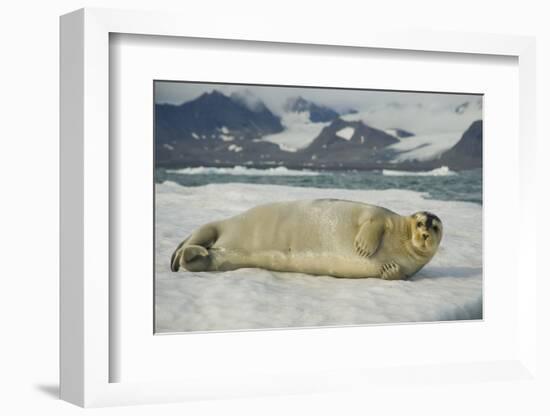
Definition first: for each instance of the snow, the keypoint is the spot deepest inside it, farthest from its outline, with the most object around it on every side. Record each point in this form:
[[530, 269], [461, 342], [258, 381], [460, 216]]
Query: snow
[[441, 171], [395, 133], [420, 118], [392, 132], [429, 122], [346, 133], [195, 136], [298, 131], [225, 136], [243, 170], [425, 146], [234, 148], [167, 146], [448, 288], [287, 148]]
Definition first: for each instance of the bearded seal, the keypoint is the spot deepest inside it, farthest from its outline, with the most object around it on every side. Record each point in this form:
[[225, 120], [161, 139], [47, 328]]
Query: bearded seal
[[320, 237]]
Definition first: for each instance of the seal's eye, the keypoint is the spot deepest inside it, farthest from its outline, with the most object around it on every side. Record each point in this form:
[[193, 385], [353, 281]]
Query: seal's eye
[[419, 224], [436, 228]]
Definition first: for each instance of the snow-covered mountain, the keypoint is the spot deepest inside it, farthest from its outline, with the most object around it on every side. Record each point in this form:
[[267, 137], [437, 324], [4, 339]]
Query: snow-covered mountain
[[316, 113], [212, 115], [347, 143], [216, 129], [437, 128], [457, 150], [431, 129], [421, 118], [424, 147], [468, 152], [249, 100], [299, 131], [399, 133], [344, 135], [303, 121]]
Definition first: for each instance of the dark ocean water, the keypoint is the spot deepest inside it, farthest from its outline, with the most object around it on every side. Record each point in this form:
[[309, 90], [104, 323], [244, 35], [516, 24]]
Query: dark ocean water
[[455, 186]]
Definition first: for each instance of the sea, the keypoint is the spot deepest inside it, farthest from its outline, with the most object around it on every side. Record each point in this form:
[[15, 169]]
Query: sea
[[440, 183]]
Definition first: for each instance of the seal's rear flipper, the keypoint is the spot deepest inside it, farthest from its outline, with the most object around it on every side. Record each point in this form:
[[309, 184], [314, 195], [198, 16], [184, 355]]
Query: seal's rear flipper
[[192, 258], [191, 253], [195, 258], [176, 255]]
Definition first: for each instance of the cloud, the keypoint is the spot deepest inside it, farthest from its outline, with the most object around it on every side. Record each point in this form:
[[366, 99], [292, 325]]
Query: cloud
[[364, 101]]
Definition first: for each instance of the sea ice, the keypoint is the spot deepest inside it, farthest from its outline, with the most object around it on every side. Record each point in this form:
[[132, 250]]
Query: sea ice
[[243, 170], [448, 288], [441, 171]]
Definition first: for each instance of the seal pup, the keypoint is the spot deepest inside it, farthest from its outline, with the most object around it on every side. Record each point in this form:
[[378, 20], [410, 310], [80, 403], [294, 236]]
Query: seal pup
[[321, 237]]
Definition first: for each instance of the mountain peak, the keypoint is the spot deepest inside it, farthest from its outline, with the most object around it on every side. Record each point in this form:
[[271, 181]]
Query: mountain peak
[[213, 96], [297, 104], [354, 136], [210, 117], [317, 112], [249, 100], [468, 152]]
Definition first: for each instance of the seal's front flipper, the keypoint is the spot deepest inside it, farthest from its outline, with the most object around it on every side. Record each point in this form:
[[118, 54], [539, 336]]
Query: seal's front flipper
[[369, 237], [391, 271]]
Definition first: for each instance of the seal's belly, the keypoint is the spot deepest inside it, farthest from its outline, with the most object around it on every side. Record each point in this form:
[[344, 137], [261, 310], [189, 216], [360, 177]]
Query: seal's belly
[[310, 262], [334, 264]]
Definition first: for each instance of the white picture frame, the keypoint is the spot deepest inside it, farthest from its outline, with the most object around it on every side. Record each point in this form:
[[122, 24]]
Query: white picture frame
[[86, 305]]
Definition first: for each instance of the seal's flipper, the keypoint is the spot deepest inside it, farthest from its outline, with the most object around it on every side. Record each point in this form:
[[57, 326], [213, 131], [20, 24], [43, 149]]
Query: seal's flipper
[[195, 258], [176, 256], [369, 237], [201, 240], [391, 271], [190, 253], [192, 258], [205, 236]]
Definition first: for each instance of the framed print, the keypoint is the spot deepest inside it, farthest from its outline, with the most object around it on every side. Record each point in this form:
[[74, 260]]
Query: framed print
[[294, 166], [205, 177]]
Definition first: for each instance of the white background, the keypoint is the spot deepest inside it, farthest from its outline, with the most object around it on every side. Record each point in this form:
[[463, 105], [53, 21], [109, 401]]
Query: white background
[[29, 208]]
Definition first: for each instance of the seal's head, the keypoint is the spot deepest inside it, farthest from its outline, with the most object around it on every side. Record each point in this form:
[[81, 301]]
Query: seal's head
[[426, 232]]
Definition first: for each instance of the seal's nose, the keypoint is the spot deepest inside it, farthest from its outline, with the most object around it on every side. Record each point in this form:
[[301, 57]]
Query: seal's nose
[[425, 236]]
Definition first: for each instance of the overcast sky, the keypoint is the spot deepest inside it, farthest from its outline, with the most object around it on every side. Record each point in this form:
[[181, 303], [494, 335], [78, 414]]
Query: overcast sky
[[275, 97]]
